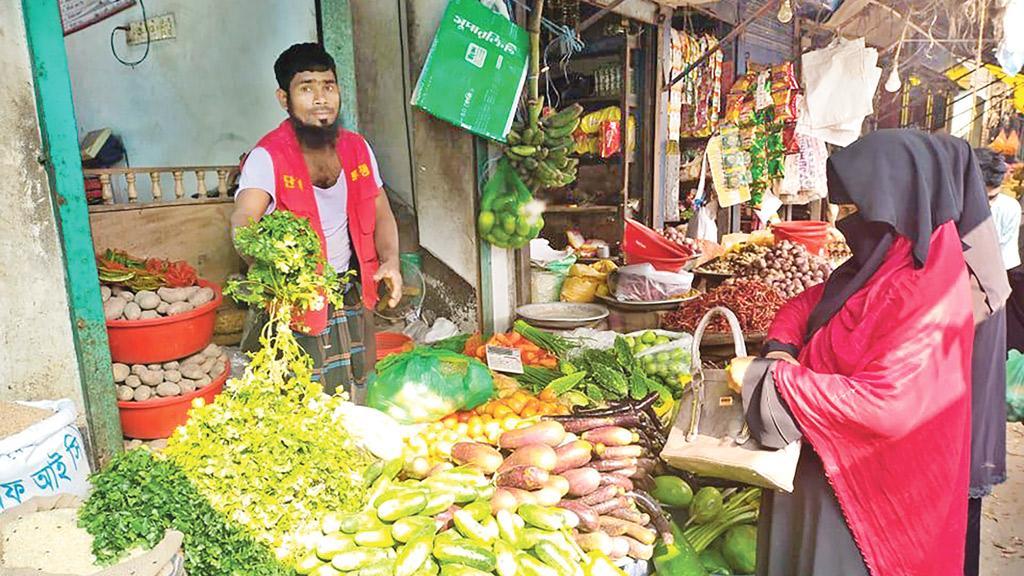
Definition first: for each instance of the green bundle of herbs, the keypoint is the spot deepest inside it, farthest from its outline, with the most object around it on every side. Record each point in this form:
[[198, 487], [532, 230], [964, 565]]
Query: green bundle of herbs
[[139, 495]]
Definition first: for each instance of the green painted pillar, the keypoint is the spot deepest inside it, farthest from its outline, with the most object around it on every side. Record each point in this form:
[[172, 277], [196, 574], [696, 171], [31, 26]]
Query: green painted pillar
[[336, 21], [64, 168]]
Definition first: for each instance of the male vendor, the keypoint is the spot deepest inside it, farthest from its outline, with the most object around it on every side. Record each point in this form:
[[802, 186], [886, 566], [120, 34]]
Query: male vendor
[[314, 169]]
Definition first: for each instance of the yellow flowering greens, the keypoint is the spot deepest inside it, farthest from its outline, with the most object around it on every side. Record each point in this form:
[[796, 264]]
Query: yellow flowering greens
[[272, 453]]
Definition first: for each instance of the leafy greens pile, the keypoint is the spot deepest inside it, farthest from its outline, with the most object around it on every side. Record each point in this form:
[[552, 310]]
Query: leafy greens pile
[[139, 495], [273, 453]]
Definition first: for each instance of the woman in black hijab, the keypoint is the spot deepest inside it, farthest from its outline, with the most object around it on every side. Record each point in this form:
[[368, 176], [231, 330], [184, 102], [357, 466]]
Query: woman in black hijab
[[905, 184]]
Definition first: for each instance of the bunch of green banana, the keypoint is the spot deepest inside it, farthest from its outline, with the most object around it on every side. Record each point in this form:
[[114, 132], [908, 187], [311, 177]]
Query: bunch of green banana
[[540, 151]]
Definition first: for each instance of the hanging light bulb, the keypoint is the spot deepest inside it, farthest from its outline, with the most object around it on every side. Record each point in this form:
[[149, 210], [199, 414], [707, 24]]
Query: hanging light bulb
[[785, 14], [893, 84]]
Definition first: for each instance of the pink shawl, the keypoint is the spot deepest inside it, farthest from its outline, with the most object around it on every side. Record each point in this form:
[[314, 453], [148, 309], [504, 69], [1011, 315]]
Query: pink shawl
[[882, 393]]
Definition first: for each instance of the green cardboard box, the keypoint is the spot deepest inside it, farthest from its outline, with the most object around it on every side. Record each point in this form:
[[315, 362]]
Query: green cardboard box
[[475, 70]]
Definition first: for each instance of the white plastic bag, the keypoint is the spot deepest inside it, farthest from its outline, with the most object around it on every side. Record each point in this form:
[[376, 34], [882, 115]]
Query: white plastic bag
[[643, 283], [45, 459], [840, 82]]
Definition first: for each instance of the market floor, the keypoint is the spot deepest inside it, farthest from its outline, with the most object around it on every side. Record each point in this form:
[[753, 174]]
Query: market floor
[[1002, 528]]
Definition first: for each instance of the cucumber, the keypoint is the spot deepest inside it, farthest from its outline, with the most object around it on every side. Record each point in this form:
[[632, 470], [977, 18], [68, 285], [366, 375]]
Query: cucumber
[[332, 545], [377, 538], [464, 552], [542, 517], [410, 527], [553, 557], [461, 570], [413, 556], [396, 506]]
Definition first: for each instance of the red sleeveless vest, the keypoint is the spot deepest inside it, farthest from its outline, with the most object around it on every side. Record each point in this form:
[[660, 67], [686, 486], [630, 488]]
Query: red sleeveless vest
[[294, 193]]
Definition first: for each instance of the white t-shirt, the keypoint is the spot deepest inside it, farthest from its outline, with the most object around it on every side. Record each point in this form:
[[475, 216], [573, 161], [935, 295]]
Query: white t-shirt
[[332, 203], [1006, 216]]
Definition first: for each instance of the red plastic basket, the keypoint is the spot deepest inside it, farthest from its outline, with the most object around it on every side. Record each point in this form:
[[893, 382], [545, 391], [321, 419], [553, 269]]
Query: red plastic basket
[[812, 234], [643, 245], [159, 417], [389, 343], [164, 339]]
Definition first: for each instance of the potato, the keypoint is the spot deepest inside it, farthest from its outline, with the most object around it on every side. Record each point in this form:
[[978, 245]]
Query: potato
[[168, 389], [172, 376], [113, 308], [204, 381], [173, 295], [143, 393], [121, 371], [133, 381], [132, 311], [172, 365], [211, 351], [163, 308], [187, 386], [126, 295], [208, 365], [152, 377], [138, 369], [202, 296], [147, 300], [179, 308], [125, 393], [153, 367], [192, 371], [105, 293], [217, 368], [149, 315], [194, 359]]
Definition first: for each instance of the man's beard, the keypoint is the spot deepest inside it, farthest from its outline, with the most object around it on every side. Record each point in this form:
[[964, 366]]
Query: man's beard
[[313, 137]]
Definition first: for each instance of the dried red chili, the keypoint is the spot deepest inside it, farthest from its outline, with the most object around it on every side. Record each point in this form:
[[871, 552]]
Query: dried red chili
[[754, 303]]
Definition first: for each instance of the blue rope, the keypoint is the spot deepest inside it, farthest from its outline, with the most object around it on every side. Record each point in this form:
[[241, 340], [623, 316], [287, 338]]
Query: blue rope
[[568, 41]]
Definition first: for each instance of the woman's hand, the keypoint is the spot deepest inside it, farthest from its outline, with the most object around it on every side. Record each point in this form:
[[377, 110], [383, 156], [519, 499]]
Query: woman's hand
[[784, 356], [735, 372]]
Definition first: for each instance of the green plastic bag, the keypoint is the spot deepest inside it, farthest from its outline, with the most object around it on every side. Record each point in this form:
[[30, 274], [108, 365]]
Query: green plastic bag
[[1015, 387], [509, 218], [427, 384]]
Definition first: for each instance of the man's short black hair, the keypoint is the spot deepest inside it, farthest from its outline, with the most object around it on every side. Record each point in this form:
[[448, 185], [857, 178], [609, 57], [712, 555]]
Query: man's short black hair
[[993, 167], [306, 57]]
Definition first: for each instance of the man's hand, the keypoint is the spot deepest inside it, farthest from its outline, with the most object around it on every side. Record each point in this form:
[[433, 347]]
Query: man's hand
[[736, 371], [391, 273], [784, 356]]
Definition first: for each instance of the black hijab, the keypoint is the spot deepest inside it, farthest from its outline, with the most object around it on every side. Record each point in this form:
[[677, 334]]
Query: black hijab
[[904, 183]]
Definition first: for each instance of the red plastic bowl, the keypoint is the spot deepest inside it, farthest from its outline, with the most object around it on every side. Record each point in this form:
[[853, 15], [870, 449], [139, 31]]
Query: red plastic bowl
[[159, 340], [389, 343], [157, 418], [813, 234]]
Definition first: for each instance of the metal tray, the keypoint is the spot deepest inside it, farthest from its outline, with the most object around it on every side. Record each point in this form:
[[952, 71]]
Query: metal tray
[[562, 315]]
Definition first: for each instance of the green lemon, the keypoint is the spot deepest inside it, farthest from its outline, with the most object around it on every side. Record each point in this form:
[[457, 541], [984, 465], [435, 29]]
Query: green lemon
[[523, 228], [485, 221], [508, 224]]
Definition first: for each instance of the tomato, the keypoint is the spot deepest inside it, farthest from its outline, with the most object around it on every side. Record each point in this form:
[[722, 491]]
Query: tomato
[[548, 395]]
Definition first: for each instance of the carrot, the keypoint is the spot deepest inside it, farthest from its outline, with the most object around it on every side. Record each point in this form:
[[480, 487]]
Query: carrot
[[514, 338], [481, 351], [549, 363]]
